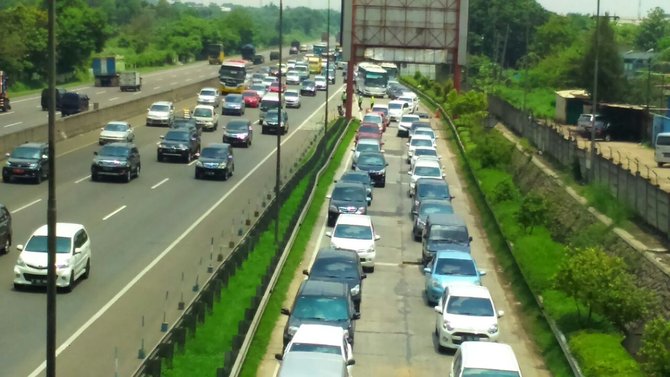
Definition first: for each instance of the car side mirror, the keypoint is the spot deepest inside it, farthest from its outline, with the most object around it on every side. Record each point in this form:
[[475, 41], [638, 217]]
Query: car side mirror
[[470, 238], [356, 316], [500, 313], [197, 154], [285, 311], [364, 276], [329, 234], [328, 196], [306, 273], [438, 309], [377, 237], [279, 356], [381, 151], [161, 137], [351, 362], [387, 164], [407, 144], [95, 153], [77, 250], [44, 156], [426, 270], [19, 247], [409, 173], [482, 273]]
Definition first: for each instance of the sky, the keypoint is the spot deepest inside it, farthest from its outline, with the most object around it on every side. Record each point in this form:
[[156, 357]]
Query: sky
[[626, 9]]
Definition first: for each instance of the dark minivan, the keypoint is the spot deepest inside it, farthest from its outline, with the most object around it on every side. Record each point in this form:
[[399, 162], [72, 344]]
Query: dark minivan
[[59, 97], [5, 229], [321, 302], [444, 232], [73, 103]]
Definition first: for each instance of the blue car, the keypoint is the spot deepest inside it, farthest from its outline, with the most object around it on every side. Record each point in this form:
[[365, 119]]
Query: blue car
[[450, 266]]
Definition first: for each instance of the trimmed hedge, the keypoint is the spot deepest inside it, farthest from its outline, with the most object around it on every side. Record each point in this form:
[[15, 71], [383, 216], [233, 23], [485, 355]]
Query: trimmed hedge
[[602, 355]]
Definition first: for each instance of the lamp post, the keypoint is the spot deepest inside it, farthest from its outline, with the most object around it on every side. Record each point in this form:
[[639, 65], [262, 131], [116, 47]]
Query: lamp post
[[280, 114], [649, 77], [325, 123], [595, 96]]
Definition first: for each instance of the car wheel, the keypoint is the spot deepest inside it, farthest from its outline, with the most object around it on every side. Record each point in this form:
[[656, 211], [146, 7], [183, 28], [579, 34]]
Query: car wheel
[[137, 170], [70, 285], [159, 157], [18, 287], [38, 177], [7, 178], [417, 237], [225, 175], [608, 137], [198, 175], [659, 164], [248, 143], [94, 177], [128, 176], [87, 273], [5, 248]]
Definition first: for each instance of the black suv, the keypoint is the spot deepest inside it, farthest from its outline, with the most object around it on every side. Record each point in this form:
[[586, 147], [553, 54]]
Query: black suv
[[216, 160], [340, 265], [347, 198], [181, 143], [187, 123], [430, 188], [5, 229], [45, 98], [361, 177], [116, 160], [321, 302], [271, 122], [73, 103], [375, 165], [29, 161], [238, 132]]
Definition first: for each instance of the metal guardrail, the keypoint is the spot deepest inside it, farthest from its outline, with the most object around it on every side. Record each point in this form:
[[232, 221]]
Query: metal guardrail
[[558, 334]]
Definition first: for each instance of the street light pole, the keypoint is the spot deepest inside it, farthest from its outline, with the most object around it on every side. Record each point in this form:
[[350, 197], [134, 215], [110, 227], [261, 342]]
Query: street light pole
[[325, 123], [649, 77], [280, 113], [51, 201], [595, 96]]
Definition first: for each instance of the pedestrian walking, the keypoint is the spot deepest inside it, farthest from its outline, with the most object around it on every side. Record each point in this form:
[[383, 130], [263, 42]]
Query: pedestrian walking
[[372, 102], [344, 98], [360, 103]]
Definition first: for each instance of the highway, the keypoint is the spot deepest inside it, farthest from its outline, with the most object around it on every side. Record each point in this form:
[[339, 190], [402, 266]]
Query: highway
[[151, 238]]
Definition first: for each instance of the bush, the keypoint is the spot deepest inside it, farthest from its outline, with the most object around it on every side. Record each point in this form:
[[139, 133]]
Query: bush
[[601, 355], [504, 190], [655, 351], [532, 212], [492, 151]]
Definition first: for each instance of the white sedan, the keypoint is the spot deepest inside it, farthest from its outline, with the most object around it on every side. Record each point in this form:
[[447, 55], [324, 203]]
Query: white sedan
[[116, 131], [322, 339]]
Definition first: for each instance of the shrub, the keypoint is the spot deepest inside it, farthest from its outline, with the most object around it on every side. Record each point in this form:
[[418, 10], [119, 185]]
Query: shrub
[[504, 190], [601, 355], [492, 151], [655, 351], [532, 212]]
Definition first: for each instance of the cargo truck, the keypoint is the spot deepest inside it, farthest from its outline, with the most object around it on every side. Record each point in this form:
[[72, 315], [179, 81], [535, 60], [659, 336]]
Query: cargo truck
[[130, 80], [4, 97], [248, 51], [106, 70], [215, 53]]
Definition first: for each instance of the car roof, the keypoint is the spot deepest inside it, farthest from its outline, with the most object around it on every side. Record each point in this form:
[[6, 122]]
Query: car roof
[[319, 334], [356, 172], [426, 162], [419, 137], [124, 144], [209, 107], [166, 103], [351, 219], [425, 148], [217, 145], [350, 184], [208, 88], [469, 290], [367, 140], [381, 105], [485, 355], [372, 114], [33, 145], [454, 254], [331, 253], [312, 364], [118, 122], [446, 219], [397, 102], [322, 288], [62, 229], [293, 91]]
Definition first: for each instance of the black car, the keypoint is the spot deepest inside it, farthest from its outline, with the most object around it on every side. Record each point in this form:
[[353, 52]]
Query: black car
[[5, 229], [375, 165], [426, 208], [340, 265], [45, 98], [216, 160], [321, 302], [361, 177], [347, 198], [274, 55], [293, 50], [73, 103], [238, 132], [27, 161], [271, 122], [308, 88], [116, 160], [258, 59], [430, 188], [444, 232], [181, 143], [187, 123]]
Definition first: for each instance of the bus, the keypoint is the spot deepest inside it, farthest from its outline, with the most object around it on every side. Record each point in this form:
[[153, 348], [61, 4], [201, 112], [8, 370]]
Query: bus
[[215, 53], [320, 48], [314, 64], [371, 80], [233, 75], [391, 69]]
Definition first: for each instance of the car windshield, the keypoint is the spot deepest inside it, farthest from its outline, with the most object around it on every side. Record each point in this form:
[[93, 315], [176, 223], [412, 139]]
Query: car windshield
[[213, 153], [421, 143], [26, 153], [367, 147], [371, 159], [320, 348], [460, 267], [258, 88], [321, 308], [208, 92], [113, 151], [308, 83], [432, 191], [334, 269], [177, 136], [160, 108], [372, 118], [292, 73], [425, 152], [424, 131], [38, 244], [290, 95], [233, 99], [349, 194], [435, 208], [273, 116], [476, 372], [369, 129], [237, 126], [202, 112], [474, 306], [446, 233], [119, 127], [427, 171], [409, 118], [395, 106], [183, 122], [357, 232]]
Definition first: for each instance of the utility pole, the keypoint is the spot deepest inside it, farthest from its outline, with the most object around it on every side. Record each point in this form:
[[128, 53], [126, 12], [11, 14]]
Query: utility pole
[[325, 123], [594, 111], [280, 114]]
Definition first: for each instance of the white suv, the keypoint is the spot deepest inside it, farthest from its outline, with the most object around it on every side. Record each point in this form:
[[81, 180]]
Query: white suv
[[160, 113], [405, 123], [465, 312], [206, 117], [355, 232], [73, 257], [209, 96], [418, 141], [424, 168], [321, 339]]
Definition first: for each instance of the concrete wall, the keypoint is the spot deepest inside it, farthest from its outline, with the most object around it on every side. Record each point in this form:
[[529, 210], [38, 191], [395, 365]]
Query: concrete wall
[[94, 119]]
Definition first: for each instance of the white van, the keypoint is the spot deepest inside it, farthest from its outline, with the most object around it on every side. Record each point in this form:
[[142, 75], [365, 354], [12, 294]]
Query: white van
[[269, 101], [480, 357], [662, 148]]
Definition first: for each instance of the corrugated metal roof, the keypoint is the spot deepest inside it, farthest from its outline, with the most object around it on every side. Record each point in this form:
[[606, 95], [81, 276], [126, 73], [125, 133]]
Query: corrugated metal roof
[[573, 93]]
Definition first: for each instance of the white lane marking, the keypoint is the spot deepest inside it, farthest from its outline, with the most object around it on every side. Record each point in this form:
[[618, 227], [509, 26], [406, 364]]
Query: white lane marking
[[174, 83], [101, 92], [156, 87], [188, 79], [160, 183], [13, 124], [173, 76], [25, 206], [11, 112], [201, 76], [113, 98], [114, 213], [192, 162], [167, 250], [136, 93], [82, 179]]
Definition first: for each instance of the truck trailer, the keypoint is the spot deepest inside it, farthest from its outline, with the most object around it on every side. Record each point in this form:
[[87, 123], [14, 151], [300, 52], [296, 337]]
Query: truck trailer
[[106, 70], [4, 97]]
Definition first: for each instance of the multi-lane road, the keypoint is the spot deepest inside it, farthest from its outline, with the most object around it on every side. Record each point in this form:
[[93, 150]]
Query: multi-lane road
[[151, 238]]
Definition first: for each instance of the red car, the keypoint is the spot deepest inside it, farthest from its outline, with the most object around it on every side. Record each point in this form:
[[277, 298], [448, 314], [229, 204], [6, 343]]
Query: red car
[[251, 98], [274, 88], [368, 131]]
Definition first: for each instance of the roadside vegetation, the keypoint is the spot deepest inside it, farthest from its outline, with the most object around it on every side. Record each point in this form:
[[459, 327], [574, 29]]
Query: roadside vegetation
[[590, 294], [146, 33]]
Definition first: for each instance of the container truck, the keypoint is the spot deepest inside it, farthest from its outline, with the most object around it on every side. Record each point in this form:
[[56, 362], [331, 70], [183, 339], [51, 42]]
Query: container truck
[[106, 70], [130, 80], [248, 52], [4, 97]]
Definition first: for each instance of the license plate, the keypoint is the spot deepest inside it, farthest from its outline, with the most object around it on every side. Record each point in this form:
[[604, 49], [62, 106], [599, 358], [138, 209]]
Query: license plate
[[470, 338], [18, 171], [40, 281]]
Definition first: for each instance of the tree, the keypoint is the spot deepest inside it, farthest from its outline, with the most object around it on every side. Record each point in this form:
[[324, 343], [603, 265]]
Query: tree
[[532, 212], [80, 32], [655, 350], [601, 283], [652, 28], [610, 64], [554, 35]]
